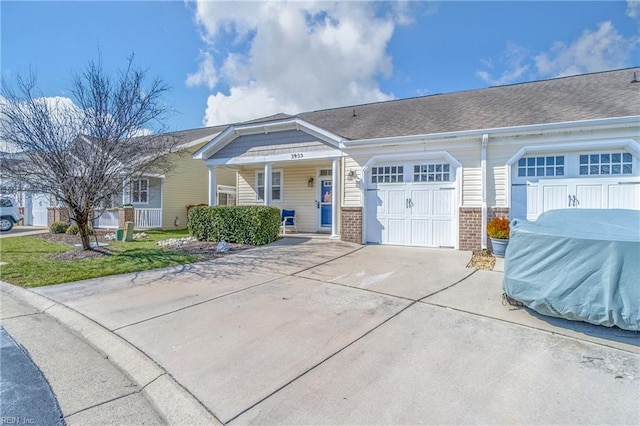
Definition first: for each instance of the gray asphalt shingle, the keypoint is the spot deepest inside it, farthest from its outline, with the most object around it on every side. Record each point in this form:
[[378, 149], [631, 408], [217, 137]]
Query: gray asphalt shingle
[[583, 97]]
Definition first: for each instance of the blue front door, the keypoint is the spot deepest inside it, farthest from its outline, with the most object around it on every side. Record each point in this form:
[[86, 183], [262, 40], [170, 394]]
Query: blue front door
[[325, 203]]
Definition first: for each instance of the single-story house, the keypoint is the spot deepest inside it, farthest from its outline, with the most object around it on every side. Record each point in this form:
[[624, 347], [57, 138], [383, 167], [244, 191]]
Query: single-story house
[[160, 201], [432, 170]]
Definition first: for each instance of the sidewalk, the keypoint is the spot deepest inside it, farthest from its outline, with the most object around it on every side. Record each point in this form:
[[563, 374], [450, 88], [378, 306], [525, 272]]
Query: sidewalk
[[23, 231], [89, 388]]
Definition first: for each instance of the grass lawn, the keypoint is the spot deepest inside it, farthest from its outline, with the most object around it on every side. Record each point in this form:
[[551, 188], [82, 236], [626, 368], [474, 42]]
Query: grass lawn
[[29, 260]]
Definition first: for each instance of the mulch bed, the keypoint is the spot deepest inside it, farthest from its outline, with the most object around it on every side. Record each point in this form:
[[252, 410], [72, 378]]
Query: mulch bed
[[482, 260], [205, 249]]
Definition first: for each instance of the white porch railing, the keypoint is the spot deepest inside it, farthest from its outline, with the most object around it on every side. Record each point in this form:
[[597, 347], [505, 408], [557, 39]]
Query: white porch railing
[[147, 218], [143, 219], [108, 219]]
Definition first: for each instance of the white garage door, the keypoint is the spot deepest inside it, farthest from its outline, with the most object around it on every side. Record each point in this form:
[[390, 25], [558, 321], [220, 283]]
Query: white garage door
[[586, 193], [40, 203], [604, 179], [415, 214]]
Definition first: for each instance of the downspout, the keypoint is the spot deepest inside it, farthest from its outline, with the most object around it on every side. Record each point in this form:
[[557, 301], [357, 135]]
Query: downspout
[[483, 167], [363, 201]]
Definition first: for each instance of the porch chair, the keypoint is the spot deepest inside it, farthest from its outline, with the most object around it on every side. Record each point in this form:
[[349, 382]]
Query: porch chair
[[288, 219]]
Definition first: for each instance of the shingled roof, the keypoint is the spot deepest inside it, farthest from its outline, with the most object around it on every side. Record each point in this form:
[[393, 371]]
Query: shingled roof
[[187, 136], [582, 97]]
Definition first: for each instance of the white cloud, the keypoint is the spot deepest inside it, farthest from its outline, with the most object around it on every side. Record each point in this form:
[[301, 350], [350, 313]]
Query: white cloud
[[633, 9], [206, 73], [294, 56], [514, 59], [601, 49], [142, 132]]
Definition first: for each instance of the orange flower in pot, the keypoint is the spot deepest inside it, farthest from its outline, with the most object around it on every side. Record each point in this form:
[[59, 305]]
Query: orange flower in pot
[[498, 230]]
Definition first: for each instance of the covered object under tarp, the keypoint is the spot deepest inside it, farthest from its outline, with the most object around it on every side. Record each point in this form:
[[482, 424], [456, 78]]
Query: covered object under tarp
[[578, 264]]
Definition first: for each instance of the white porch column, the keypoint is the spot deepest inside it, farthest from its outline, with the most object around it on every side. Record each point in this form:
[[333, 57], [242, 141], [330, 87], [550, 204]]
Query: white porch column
[[335, 199], [213, 200], [267, 184]]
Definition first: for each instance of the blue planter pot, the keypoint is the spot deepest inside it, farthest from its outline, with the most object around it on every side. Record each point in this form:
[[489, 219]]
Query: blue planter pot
[[499, 246]]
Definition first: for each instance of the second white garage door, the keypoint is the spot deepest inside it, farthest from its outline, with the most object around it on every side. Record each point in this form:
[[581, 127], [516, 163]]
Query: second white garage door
[[415, 214]]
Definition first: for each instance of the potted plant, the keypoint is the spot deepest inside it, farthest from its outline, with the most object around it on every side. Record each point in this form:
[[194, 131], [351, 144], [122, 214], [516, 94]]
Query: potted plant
[[498, 230]]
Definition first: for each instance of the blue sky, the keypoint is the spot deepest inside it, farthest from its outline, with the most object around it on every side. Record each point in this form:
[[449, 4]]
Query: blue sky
[[234, 61]]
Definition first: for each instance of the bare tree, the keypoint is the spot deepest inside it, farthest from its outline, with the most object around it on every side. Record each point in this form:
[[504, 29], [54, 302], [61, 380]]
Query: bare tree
[[84, 152]]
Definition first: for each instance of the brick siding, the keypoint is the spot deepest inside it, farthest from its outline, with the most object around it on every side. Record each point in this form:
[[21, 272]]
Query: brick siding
[[57, 214], [125, 214], [470, 226], [351, 224]]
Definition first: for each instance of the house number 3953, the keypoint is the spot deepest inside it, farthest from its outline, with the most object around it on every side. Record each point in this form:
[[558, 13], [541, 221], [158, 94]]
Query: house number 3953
[[297, 156]]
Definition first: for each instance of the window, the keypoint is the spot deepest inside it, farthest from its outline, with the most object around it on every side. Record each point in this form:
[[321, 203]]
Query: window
[[226, 195], [276, 186], [387, 174], [613, 163], [541, 166], [431, 173], [140, 191]]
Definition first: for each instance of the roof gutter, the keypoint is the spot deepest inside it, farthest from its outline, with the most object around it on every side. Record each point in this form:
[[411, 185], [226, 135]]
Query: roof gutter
[[502, 131]]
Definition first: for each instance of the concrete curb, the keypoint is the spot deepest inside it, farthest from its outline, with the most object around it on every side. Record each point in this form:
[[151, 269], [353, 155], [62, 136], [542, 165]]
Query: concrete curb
[[171, 401]]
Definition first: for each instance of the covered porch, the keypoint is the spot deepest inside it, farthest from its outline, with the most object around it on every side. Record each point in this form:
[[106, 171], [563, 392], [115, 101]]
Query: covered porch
[[310, 188], [145, 195], [283, 162]]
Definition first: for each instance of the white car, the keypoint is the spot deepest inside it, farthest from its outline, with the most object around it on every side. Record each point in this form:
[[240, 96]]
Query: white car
[[9, 213]]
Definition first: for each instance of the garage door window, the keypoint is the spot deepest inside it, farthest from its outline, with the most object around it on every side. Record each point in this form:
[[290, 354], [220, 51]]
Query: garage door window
[[614, 163], [542, 166], [387, 174], [431, 173]]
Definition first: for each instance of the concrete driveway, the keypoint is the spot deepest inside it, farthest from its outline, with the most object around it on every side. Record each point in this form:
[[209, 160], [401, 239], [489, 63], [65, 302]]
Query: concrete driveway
[[325, 332]]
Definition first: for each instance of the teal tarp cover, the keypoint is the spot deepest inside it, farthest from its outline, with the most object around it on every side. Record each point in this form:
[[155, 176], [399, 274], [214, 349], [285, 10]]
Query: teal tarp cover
[[578, 264]]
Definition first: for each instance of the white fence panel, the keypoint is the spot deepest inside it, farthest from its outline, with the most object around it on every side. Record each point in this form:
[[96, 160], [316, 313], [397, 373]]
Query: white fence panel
[[148, 218], [108, 219]]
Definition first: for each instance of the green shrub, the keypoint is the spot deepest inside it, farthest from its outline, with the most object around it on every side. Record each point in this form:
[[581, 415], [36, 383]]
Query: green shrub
[[58, 227], [74, 230], [254, 225]]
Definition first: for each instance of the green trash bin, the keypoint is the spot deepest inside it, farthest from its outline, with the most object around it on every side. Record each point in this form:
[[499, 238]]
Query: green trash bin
[[119, 234]]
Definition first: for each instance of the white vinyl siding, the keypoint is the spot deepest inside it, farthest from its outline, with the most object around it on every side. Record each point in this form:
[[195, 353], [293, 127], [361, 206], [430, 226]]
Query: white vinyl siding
[[188, 185], [351, 186], [472, 187], [500, 184], [297, 194]]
